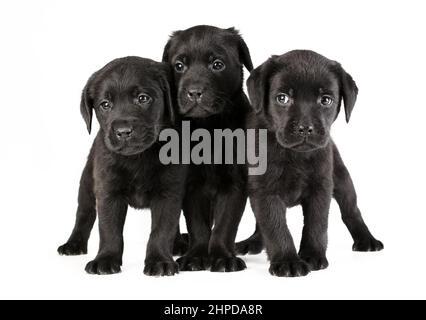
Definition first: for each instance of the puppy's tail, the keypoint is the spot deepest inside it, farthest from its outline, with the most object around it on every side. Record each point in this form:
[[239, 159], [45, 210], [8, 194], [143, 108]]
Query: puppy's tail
[[181, 244], [252, 245]]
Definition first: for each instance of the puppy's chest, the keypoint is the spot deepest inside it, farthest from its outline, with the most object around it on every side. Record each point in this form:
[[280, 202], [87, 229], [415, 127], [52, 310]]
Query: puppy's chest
[[215, 178], [296, 181], [139, 195], [140, 187], [292, 184]]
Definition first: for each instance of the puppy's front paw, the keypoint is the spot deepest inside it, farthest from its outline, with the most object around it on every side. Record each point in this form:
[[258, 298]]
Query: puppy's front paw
[[227, 264], [296, 268], [103, 266], [249, 246], [316, 262], [73, 248], [161, 269], [369, 244], [193, 263]]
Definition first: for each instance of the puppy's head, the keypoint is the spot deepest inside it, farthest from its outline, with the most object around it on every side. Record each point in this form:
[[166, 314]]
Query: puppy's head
[[300, 94], [208, 68], [132, 101]]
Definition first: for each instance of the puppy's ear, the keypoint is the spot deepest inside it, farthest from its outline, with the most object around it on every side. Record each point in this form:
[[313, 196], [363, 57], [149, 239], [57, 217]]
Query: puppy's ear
[[243, 49], [166, 51], [165, 81], [256, 87], [245, 54], [348, 91], [86, 105]]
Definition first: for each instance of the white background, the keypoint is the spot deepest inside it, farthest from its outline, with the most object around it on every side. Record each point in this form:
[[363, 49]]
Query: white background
[[50, 48]]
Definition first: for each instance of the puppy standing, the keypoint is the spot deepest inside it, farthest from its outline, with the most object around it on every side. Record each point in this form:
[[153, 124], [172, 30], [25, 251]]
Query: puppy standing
[[133, 102], [208, 72], [297, 97]]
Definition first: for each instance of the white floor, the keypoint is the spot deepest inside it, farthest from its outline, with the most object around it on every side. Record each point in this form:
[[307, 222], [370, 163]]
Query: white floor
[[36, 271]]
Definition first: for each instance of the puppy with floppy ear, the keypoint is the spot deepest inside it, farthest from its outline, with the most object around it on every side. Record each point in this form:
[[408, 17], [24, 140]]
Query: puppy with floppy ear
[[208, 65], [297, 97], [343, 188], [132, 100]]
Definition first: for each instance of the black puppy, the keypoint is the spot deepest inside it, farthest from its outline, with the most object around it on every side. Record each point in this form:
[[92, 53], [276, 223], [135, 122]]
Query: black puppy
[[208, 72], [297, 97], [133, 102]]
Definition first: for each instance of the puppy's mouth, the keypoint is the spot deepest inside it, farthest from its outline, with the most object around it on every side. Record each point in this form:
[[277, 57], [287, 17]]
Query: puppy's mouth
[[130, 150], [131, 147], [304, 145], [200, 109]]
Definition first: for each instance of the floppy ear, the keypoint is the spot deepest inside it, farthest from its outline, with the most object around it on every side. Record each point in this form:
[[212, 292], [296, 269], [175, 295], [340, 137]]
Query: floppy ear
[[86, 105], [243, 50], [256, 87], [348, 90], [165, 81]]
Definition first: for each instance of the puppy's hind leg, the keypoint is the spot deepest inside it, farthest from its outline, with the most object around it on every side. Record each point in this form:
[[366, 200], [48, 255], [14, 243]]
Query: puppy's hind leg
[[86, 214], [345, 195]]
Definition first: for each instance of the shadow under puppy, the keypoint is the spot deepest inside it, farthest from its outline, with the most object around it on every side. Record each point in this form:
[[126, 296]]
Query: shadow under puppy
[[297, 96], [208, 72], [132, 101]]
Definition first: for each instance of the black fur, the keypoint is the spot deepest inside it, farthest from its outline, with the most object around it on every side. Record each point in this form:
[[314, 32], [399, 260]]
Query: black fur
[[211, 99], [304, 165], [123, 167]]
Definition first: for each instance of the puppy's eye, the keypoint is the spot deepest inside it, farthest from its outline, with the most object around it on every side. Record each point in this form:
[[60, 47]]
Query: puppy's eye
[[105, 105], [283, 99], [218, 65], [144, 98], [179, 66], [326, 101]]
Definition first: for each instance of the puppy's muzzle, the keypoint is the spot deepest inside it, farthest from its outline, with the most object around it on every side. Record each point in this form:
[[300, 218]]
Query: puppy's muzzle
[[122, 130]]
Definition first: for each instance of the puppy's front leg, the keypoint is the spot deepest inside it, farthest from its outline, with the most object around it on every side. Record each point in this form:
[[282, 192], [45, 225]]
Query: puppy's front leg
[[196, 208], [228, 210], [270, 213], [314, 236], [112, 215], [345, 195], [165, 220]]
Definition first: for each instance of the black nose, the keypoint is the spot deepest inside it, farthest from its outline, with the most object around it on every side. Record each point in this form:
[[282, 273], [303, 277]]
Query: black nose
[[123, 133], [195, 94], [305, 130]]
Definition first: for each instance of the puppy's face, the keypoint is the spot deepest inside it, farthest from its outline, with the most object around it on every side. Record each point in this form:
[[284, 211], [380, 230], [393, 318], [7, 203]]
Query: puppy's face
[[302, 93], [132, 102], [207, 63], [303, 105]]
